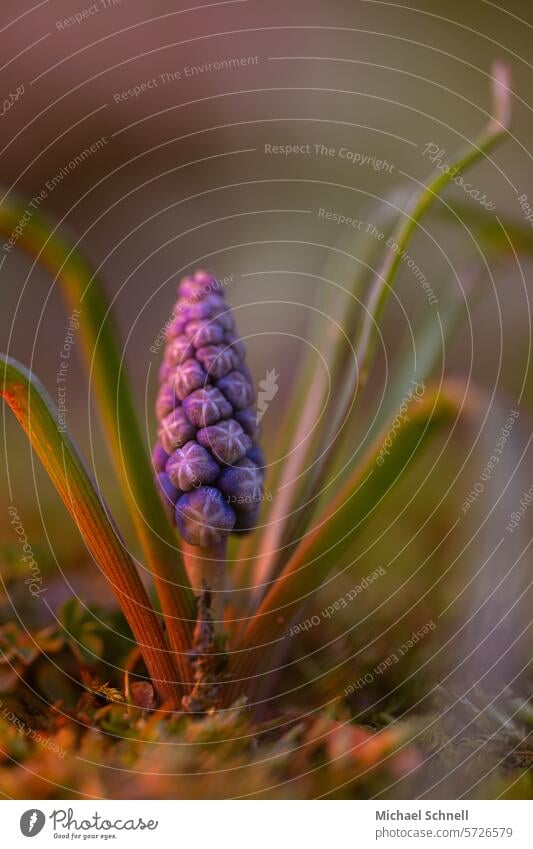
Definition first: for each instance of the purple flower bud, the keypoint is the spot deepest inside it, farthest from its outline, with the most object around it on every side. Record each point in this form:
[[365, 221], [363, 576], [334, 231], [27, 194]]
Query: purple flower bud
[[242, 484], [207, 278], [164, 372], [159, 458], [202, 333], [191, 466], [225, 318], [238, 389], [175, 430], [203, 517], [166, 401], [217, 360], [205, 407], [175, 327], [256, 456], [168, 493], [187, 377], [199, 285], [188, 287], [207, 456], [206, 308], [226, 440]]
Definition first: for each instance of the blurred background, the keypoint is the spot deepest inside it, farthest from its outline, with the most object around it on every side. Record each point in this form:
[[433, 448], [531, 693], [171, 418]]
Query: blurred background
[[157, 135]]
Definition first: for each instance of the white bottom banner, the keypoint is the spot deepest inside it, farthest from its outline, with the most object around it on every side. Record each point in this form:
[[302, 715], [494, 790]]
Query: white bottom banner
[[232, 825]]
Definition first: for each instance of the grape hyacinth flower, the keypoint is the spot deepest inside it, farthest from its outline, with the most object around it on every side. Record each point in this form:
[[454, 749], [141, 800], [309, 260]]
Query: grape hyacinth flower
[[207, 461]]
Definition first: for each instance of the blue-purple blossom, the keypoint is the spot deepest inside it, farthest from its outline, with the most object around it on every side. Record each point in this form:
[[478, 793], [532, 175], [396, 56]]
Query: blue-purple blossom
[[248, 421], [256, 456], [246, 521], [159, 458], [179, 350], [207, 406], [207, 461], [166, 401], [187, 377], [217, 360], [203, 333], [238, 389]]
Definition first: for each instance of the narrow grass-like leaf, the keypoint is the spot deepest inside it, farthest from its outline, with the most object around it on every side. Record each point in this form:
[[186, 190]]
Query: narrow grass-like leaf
[[36, 414], [407, 223], [494, 132], [317, 553], [302, 448], [81, 287]]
